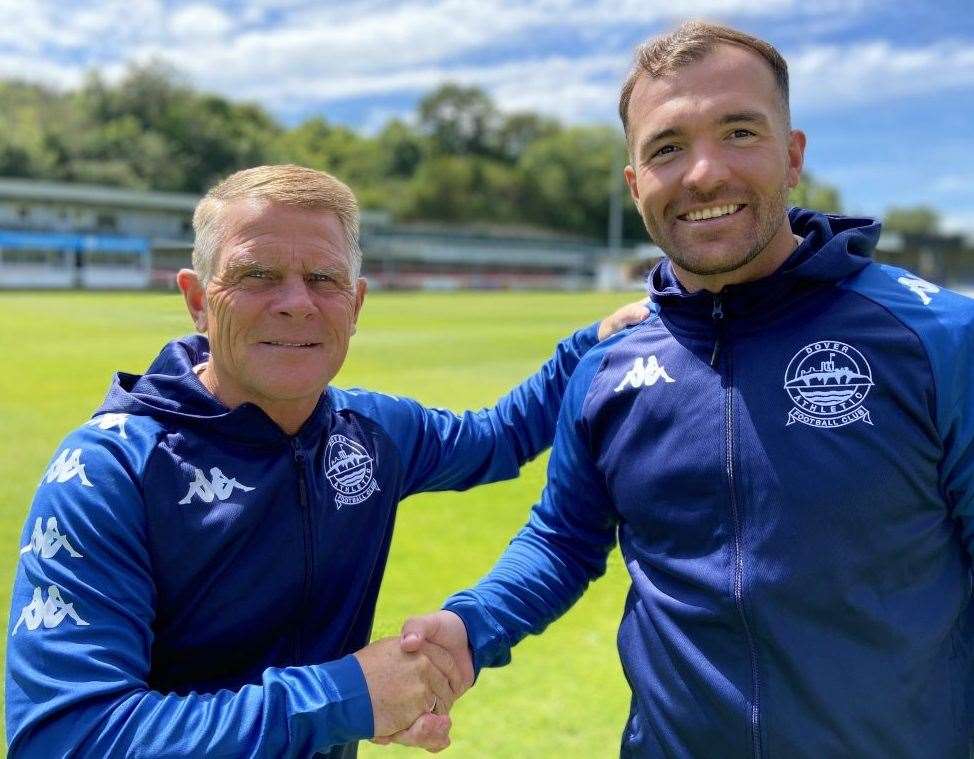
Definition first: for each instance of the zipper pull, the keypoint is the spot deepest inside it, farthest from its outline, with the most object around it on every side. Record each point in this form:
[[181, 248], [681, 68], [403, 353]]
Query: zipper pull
[[718, 316]]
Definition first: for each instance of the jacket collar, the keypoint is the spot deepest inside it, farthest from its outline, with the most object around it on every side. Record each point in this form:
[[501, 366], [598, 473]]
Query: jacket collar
[[171, 392], [833, 248]]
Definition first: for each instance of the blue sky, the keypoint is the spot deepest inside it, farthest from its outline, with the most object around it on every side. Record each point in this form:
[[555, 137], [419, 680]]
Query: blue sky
[[884, 90]]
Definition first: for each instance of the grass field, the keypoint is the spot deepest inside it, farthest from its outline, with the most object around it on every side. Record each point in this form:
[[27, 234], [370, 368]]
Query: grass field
[[564, 695]]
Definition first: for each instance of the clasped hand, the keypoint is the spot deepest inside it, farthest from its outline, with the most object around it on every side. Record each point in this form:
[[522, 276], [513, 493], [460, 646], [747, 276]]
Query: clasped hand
[[414, 679]]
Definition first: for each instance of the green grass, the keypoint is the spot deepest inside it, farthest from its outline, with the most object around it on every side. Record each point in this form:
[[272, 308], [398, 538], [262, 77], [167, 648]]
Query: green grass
[[564, 694]]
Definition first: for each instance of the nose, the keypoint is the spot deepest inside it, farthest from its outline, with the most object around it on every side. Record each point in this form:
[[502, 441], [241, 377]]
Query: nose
[[707, 171], [294, 299]]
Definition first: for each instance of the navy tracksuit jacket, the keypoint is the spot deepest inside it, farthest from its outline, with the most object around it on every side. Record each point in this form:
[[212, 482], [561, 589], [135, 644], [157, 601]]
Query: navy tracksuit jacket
[[788, 467], [193, 581]]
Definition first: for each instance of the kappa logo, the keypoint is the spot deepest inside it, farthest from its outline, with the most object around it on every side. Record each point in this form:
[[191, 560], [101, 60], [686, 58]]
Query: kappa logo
[[350, 470], [107, 421], [644, 374], [920, 287], [66, 466], [50, 612], [47, 542], [828, 382], [218, 486]]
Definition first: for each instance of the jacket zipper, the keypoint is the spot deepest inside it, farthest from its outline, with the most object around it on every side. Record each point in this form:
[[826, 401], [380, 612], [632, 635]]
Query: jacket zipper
[[738, 538], [718, 316], [299, 459]]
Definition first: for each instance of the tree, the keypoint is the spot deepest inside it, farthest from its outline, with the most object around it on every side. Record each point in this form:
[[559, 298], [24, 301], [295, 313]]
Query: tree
[[462, 189], [460, 120], [566, 181], [817, 195], [911, 219]]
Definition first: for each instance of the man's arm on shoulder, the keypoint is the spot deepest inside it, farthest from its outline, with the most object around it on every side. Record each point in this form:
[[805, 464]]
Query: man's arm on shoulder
[[551, 561], [442, 450], [78, 653]]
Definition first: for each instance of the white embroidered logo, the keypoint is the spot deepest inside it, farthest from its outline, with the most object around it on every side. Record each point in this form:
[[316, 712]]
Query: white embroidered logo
[[349, 469], [65, 466], [644, 375], [49, 613], [47, 542], [920, 287], [107, 421], [828, 381], [218, 486]]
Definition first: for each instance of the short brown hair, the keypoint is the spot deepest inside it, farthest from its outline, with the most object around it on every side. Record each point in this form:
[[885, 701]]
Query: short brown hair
[[689, 43], [286, 184]]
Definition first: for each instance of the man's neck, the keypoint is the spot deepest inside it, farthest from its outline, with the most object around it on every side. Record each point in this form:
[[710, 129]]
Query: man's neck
[[766, 263], [290, 416]]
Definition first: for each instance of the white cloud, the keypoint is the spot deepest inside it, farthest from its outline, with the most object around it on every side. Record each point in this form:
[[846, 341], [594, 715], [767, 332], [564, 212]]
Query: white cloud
[[871, 71], [199, 21], [291, 55]]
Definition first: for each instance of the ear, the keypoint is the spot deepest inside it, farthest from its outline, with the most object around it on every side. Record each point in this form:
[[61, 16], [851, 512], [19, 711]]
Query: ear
[[796, 156], [630, 174], [361, 288], [195, 296]]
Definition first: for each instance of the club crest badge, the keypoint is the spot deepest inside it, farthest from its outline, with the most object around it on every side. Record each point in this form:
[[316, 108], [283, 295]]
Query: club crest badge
[[349, 469], [828, 382]]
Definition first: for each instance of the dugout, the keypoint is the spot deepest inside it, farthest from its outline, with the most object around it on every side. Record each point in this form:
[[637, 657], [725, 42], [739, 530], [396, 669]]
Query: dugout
[[59, 260]]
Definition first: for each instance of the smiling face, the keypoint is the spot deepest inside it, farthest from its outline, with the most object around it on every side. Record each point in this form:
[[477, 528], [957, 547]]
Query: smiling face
[[280, 310], [713, 161]]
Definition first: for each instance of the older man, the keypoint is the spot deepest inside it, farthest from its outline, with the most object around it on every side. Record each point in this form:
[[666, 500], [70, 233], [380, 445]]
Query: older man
[[201, 561], [785, 450]]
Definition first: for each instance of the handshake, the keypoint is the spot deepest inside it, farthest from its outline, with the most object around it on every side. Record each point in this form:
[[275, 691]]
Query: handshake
[[414, 679]]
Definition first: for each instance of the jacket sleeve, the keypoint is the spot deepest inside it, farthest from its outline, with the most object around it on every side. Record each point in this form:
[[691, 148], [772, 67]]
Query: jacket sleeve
[[442, 450], [550, 562], [81, 629], [957, 429]]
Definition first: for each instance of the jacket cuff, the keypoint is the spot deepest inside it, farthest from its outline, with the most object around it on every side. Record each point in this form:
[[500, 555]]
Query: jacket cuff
[[350, 714], [488, 643]]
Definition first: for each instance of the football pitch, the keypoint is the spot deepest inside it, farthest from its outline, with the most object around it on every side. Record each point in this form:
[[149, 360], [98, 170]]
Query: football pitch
[[564, 695]]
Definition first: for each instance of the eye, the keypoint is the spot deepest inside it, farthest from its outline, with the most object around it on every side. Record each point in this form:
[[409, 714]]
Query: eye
[[664, 151], [321, 279], [741, 133]]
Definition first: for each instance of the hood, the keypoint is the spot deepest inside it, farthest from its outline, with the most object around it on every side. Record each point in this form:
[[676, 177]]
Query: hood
[[171, 393], [833, 248]]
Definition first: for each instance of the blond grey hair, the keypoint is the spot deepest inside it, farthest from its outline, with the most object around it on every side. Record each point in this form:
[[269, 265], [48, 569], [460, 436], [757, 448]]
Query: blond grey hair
[[660, 56], [286, 184]]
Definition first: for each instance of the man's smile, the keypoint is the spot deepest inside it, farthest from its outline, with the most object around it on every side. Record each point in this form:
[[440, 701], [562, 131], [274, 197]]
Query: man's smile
[[710, 212]]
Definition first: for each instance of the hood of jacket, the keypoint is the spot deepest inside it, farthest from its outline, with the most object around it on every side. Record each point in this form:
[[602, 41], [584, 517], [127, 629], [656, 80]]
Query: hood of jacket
[[833, 248], [170, 392]]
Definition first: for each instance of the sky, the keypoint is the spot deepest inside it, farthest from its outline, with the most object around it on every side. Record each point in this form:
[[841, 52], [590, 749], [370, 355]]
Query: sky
[[883, 89]]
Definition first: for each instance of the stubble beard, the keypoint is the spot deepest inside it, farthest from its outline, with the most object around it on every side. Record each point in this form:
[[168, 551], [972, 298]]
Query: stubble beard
[[769, 222]]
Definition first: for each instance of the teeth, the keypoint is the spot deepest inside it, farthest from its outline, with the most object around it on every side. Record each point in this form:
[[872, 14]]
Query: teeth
[[712, 213]]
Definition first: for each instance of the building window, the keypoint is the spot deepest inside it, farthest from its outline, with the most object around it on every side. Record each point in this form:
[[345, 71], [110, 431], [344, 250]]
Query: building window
[[106, 221]]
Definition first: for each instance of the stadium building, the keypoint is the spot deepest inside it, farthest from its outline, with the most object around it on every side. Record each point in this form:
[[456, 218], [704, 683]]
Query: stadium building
[[57, 235]]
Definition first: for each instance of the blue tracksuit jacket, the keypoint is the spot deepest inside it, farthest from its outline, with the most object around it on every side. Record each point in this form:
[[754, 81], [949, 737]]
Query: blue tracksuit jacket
[[193, 581], [789, 469]]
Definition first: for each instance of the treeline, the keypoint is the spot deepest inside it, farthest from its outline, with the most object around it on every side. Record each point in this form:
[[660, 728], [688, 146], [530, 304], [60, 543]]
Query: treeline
[[460, 159]]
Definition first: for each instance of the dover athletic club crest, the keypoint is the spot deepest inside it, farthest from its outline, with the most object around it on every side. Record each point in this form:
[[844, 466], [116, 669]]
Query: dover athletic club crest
[[828, 382], [349, 469]]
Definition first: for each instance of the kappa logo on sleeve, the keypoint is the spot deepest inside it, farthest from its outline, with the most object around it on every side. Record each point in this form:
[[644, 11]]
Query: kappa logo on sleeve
[[219, 486], [47, 542], [49, 613], [644, 374], [65, 467], [920, 287], [107, 421], [350, 470]]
